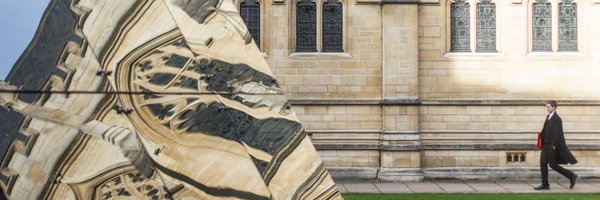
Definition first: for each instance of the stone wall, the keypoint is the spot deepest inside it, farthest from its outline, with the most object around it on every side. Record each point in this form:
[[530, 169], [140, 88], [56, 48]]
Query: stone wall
[[515, 72], [353, 74], [396, 105], [399, 96]]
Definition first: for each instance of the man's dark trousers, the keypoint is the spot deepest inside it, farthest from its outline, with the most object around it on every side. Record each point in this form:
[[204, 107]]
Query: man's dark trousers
[[544, 157]]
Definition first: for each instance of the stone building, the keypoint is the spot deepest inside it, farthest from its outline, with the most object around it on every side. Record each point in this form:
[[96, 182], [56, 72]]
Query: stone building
[[394, 90], [437, 88], [151, 99]]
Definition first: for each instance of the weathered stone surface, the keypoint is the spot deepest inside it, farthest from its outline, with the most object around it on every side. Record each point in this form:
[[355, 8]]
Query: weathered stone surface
[[395, 90], [181, 93]]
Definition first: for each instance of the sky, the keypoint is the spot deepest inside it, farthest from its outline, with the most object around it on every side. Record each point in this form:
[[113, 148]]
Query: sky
[[19, 20]]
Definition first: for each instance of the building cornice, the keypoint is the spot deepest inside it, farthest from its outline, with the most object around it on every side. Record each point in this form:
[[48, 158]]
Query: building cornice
[[444, 147], [408, 102]]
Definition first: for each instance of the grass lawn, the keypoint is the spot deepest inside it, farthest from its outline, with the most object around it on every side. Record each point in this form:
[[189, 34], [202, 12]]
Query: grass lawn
[[454, 196]]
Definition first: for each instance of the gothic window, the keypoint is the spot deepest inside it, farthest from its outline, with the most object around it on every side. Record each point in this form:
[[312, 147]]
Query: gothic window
[[486, 26], [250, 12], [482, 36], [542, 26], [319, 26], [306, 26], [567, 26], [459, 26], [562, 24], [332, 26], [130, 186]]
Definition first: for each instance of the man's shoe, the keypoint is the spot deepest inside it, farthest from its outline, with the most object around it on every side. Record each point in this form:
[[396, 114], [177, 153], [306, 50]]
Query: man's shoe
[[542, 187], [573, 180]]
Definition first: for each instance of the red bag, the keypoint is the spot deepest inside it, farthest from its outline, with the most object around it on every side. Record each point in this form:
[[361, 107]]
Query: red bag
[[539, 141]]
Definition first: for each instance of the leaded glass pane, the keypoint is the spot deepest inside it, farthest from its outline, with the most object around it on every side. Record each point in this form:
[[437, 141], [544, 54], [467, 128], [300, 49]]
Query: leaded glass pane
[[486, 26], [306, 26], [332, 26], [542, 26], [250, 12], [459, 27], [567, 26]]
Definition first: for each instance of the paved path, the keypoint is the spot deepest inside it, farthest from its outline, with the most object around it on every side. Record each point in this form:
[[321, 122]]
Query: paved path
[[449, 186]]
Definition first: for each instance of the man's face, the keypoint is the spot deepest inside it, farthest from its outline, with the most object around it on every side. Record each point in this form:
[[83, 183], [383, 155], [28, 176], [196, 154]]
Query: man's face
[[550, 109]]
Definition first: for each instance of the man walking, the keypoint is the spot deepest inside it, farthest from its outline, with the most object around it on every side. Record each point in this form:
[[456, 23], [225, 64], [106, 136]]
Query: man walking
[[554, 148]]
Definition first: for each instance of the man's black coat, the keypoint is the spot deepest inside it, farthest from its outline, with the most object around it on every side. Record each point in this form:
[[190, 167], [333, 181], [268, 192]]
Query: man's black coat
[[552, 135]]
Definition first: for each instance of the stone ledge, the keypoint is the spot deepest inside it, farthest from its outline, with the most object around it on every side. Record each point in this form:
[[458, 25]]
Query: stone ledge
[[506, 103], [400, 102], [501, 147], [500, 173], [451, 173], [401, 147], [332, 102], [353, 102], [408, 102], [400, 174], [346, 146], [311, 55], [419, 147], [385, 147], [353, 173]]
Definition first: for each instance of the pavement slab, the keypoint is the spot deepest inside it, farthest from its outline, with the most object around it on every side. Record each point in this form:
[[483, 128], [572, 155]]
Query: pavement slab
[[449, 186], [513, 184], [341, 188], [367, 187], [486, 187], [455, 186], [424, 187], [393, 187]]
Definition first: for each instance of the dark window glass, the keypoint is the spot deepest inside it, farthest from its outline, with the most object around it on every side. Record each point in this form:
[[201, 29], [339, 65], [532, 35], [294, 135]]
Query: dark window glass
[[486, 26], [567, 26], [459, 26], [332, 26], [306, 26], [542, 26], [250, 12]]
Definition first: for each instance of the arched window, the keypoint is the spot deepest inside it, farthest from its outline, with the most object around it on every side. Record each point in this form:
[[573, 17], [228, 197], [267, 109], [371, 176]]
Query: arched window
[[250, 12], [486, 26], [306, 26], [459, 27], [332, 26], [542, 26], [567, 26]]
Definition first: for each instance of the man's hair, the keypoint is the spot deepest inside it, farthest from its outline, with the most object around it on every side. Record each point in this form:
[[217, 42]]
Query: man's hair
[[552, 103]]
